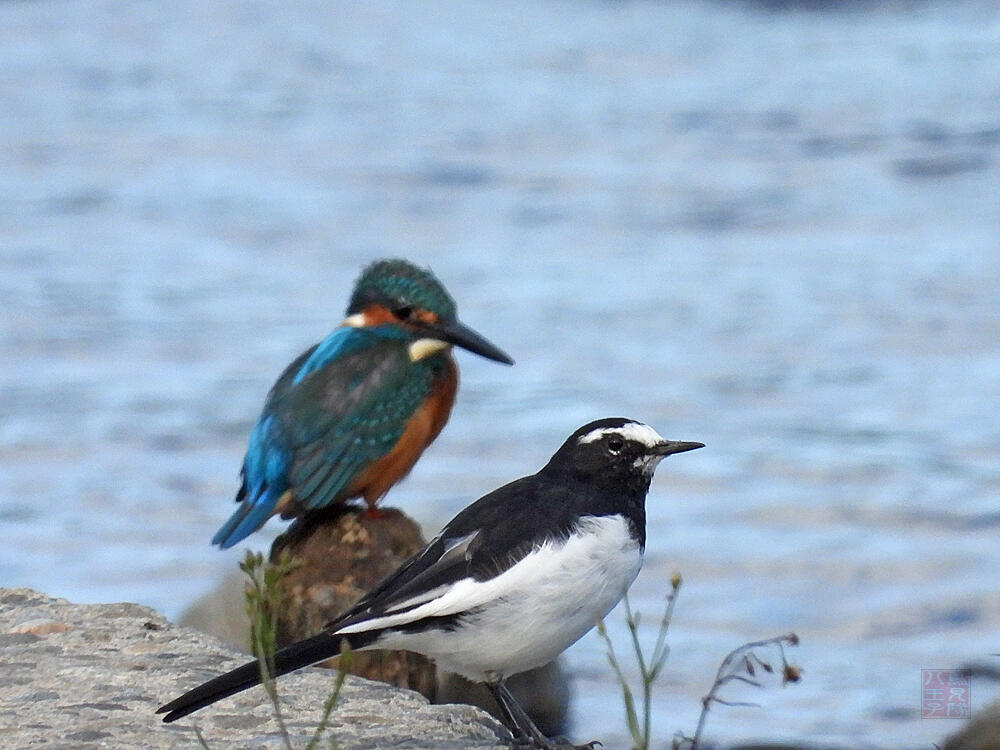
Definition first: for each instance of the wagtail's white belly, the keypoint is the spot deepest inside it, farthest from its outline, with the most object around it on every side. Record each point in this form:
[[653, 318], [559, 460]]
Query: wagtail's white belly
[[527, 615]]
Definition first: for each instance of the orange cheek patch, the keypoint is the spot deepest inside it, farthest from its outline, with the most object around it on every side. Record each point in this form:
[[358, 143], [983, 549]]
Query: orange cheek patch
[[377, 315]]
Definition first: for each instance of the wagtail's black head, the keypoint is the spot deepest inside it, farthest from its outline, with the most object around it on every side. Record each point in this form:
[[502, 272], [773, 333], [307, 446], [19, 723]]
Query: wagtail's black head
[[615, 452]]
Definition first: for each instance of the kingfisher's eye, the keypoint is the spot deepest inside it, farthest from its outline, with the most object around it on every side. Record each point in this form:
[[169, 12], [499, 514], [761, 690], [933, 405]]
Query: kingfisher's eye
[[403, 312], [615, 444]]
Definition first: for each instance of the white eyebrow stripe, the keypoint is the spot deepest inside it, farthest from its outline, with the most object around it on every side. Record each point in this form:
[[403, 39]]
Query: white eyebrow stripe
[[634, 431]]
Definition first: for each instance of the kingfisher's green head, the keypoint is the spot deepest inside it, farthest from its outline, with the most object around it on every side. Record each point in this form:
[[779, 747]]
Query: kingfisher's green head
[[401, 287], [396, 292]]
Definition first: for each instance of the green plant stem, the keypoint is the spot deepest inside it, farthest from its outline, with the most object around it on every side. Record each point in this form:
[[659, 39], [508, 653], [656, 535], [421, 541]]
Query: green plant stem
[[631, 720], [263, 603], [346, 660], [201, 738], [649, 668]]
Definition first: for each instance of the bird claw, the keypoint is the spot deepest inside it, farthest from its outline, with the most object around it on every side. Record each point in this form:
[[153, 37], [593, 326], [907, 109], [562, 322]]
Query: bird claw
[[557, 743]]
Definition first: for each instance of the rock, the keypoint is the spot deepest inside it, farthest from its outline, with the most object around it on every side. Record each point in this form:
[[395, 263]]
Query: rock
[[222, 612], [542, 692], [981, 733], [97, 684], [340, 557]]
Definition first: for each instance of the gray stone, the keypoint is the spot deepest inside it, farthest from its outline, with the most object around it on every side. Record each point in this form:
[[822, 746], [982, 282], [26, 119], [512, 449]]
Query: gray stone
[[93, 675], [981, 733], [340, 555], [543, 692], [222, 612]]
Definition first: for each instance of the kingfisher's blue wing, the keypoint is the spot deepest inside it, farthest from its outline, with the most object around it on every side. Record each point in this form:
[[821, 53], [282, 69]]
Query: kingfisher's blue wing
[[338, 407]]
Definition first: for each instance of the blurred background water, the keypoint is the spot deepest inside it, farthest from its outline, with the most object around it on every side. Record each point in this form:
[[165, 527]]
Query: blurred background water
[[776, 231]]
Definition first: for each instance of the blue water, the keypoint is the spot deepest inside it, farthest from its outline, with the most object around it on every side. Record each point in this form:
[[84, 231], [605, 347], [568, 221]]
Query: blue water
[[777, 233]]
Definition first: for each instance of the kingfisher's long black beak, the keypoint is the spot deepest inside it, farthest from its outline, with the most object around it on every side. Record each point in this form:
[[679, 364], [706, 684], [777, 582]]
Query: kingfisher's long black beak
[[461, 335], [669, 447]]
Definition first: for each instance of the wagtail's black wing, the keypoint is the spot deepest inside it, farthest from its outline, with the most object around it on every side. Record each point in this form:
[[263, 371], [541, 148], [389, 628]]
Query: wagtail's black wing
[[482, 541], [486, 538]]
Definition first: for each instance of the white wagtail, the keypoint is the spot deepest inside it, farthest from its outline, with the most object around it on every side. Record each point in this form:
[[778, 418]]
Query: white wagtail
[[511, 581]]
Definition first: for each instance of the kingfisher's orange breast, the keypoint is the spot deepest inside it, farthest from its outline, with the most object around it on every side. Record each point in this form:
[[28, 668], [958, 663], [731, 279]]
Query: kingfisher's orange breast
[[421, 429]]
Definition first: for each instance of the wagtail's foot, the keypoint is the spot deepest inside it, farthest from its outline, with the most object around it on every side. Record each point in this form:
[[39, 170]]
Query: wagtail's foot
[[555, 743]]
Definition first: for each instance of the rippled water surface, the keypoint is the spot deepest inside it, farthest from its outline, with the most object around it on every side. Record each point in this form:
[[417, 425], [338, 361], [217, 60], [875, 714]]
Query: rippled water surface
[[774, 232]]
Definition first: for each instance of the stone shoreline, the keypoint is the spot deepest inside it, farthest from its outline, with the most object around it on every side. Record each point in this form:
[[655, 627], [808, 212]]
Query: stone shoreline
[[90, 676]]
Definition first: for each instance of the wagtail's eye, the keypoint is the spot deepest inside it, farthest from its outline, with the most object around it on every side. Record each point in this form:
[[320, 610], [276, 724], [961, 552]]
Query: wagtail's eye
[[616, 444], [403, 312]]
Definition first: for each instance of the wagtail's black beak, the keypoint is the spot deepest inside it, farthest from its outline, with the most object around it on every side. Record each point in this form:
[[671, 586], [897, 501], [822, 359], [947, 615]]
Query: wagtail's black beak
[[669, 447], [461, 335]]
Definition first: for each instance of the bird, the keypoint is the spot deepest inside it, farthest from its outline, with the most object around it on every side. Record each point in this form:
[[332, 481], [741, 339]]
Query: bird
[[350, 416], [509, 583]]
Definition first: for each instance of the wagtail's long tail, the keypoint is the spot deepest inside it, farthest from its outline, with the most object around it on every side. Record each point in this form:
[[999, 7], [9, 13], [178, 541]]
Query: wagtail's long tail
[[318, 648]]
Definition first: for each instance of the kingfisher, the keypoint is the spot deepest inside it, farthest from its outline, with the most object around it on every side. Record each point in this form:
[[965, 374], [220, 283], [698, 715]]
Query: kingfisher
[[350, 416]]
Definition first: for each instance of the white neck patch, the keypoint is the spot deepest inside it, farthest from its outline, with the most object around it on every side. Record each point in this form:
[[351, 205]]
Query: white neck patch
[[426, 347], [633, 431]]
